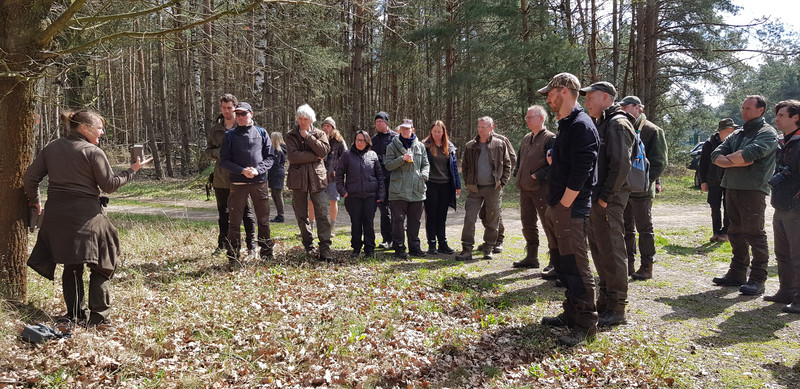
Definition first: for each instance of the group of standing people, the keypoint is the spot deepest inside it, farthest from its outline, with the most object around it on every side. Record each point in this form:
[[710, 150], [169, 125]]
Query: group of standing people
[[739, 167], [577, 181]]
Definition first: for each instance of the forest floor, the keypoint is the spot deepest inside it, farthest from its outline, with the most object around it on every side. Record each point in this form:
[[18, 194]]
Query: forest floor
[[181, 319]]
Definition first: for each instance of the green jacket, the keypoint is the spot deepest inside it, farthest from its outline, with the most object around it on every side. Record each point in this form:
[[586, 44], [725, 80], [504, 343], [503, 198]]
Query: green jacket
[[408, 179], [758, 142], [655, 149]]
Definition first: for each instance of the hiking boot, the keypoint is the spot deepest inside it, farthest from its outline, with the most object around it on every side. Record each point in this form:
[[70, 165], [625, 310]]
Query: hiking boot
[[267, 255], [400, 253], [278, 219], [495, 249], [555, 321], [416, 252], [432, 247], [369, 253], [781, 296], [723, 238], [791, 308], [355, 254], [531, 260], [611, 318], [549, 273], [578, 336], [466, 254], [727, 281], [445, 249], [645, 272], [752, 288], [487, 255]]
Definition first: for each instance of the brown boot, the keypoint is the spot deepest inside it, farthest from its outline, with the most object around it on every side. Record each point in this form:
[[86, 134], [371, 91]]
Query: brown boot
[[645, 272], [531, 260], [466, 254]]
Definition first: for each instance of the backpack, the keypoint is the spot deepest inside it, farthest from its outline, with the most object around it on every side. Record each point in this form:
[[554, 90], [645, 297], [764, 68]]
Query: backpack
[[639, 176]]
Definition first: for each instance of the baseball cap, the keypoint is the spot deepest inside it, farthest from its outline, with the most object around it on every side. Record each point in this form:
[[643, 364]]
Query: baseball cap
[[561, 80], [628, 100], [604, 86], [242, 106], [407, 123]]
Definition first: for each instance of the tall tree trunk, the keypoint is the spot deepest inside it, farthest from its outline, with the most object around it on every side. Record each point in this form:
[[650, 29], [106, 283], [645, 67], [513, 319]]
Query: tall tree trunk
[[16, 114], [357, 80]]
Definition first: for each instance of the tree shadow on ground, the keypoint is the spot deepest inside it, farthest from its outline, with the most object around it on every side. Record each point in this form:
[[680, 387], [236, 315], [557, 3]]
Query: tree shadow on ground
[[491, 283], [756, 326], [29, 313], [705, 248], [704, 304], [785, 375]]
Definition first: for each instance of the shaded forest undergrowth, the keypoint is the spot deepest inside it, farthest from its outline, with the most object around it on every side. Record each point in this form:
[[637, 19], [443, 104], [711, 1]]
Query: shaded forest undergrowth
[[182, 320]]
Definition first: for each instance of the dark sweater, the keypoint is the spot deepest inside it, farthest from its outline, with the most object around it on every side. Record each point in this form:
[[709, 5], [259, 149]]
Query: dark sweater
[[574, 161], [244, 146], [379, 144]]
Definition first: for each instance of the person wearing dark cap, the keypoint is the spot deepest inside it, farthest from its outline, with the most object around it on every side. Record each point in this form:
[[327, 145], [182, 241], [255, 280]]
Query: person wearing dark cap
[[638, 215], [748, 156], [572, 175], [711, 181], [610, 196], [221, 182], [382, 138], [247, 154]]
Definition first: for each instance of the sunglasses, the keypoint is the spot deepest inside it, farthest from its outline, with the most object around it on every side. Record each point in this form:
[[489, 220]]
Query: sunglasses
[[242, 113]]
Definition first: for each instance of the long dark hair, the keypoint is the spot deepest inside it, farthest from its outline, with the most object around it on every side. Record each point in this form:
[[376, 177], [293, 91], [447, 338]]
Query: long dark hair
[[445, 139]]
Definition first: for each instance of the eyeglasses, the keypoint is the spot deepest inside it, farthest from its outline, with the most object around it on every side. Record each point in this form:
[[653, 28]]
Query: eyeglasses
[[242, 113], [361, 141]]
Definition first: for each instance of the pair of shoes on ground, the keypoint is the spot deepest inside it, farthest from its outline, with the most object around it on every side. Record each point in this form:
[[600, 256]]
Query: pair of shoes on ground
[[749, 288]]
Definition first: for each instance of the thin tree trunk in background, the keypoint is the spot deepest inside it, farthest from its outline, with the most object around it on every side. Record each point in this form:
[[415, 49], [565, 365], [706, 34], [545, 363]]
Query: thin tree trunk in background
[[182, 96], [358, 47], [210, 89], [614, 43], [449, 67]]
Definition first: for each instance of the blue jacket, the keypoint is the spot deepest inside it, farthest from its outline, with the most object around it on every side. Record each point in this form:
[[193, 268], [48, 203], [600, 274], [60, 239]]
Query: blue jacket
[[277, 173], [359, 174], [454, 176], [574, 161], [246, 146]]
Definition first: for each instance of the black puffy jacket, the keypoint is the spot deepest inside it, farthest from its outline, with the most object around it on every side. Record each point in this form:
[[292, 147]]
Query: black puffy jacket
[[359, 174]]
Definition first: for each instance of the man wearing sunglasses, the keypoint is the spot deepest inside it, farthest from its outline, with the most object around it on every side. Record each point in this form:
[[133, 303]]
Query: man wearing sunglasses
[[246, 153]]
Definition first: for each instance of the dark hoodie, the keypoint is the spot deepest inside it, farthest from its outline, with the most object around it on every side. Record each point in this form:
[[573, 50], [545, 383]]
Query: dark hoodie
[[617, 137], [359, 174]]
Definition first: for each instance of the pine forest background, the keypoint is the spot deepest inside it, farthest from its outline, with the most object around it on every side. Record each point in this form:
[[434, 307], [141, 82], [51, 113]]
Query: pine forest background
[[454, 60]]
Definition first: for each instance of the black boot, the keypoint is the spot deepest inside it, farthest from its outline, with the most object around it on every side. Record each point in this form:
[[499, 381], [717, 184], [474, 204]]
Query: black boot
[[432, 247], [444, 248]]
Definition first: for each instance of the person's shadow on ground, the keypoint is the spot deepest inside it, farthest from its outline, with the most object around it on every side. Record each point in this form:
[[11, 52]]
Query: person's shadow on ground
[[756, 326], [702, 305]]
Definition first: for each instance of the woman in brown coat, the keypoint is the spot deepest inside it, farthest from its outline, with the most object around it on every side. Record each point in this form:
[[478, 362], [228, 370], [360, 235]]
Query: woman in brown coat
[[75, 230]]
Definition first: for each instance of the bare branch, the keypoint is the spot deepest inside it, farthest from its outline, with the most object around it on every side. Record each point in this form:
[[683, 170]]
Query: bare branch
[[106, 18], [59, 24]]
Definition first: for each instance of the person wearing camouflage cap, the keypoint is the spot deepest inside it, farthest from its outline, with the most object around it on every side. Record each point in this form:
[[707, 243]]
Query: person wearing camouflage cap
[[572, 175], [638, 215]]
